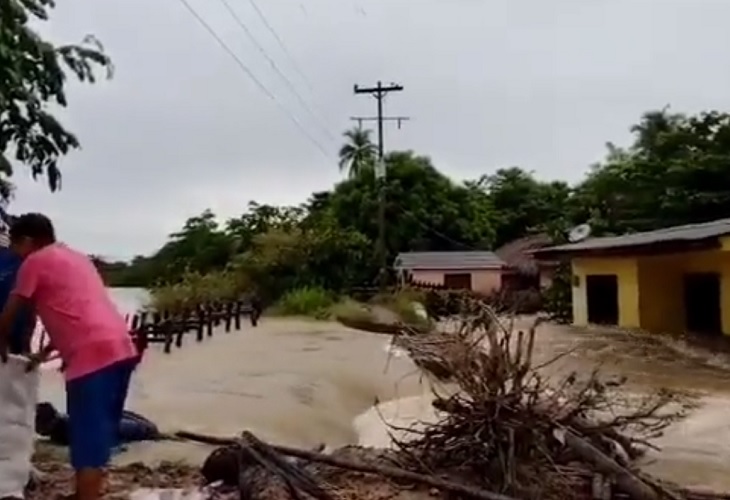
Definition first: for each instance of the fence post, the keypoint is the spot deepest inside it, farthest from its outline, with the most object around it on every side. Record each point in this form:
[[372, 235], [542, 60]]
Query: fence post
[[228, 311], [144, 333], [199, 319], [254, 315], [181, 326], [216, 310], [209, 319], [237, 315], [167, 331]]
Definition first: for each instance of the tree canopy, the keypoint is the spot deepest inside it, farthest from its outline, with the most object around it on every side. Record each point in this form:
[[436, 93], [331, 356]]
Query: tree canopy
[[676, 170], [32, 80]]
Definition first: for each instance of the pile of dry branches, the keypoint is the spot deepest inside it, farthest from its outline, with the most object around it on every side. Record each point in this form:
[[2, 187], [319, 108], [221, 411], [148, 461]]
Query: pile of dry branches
[[509, 429]]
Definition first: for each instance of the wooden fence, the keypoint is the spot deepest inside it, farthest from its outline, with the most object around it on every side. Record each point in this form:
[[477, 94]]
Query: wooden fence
[[166, 328]]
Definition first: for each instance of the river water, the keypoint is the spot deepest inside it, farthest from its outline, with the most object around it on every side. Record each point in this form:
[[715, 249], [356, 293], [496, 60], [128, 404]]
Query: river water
[[302, 383], [291, 381]]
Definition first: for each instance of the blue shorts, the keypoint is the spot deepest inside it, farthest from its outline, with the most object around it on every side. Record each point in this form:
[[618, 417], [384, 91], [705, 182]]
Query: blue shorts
[[95, 403]]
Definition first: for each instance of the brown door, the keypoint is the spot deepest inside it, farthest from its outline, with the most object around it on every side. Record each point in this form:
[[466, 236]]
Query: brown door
[[602, 297], [702, 303], [459, 281]]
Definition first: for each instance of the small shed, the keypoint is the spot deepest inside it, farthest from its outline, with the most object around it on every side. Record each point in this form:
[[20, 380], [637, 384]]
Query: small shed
[[480, 271]]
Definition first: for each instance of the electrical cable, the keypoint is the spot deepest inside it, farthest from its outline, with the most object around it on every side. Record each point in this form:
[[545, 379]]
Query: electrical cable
[[315, 116], [440, 234], [283, 46], [253, 77]]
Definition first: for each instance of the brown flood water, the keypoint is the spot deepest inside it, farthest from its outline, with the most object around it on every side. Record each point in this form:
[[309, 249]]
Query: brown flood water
[[293, 382], [303, 383]]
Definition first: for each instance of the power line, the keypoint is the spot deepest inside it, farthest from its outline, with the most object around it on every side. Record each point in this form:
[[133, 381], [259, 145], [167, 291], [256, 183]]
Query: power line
[[317, 119], [252, 76], [283, 46], [438, 233]]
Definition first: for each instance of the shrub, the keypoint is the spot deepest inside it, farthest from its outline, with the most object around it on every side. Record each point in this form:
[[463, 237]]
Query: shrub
[[403, 304], [307, 301], [352, 310], [558, 298], [193, 290]]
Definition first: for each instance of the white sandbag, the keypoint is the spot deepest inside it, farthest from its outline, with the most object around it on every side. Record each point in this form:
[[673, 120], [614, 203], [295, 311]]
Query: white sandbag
[[170, 494], [18, 397]]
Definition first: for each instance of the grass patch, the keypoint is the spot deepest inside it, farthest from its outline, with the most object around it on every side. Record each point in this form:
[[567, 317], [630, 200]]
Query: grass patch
[[404, 304], [313, 302], [350, 309]]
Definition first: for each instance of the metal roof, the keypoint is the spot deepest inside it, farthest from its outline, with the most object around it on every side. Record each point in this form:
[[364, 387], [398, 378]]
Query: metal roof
[[448, 260], [687, 233]]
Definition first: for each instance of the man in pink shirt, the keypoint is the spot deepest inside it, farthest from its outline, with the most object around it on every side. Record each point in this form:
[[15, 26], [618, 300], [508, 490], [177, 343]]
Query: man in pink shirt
[[65, 290]]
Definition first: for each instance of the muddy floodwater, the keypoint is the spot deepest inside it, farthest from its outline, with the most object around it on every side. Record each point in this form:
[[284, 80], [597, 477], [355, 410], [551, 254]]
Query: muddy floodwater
[[303, 383]]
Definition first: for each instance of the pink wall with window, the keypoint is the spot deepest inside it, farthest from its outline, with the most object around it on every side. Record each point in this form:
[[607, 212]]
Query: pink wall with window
[[482, 280]]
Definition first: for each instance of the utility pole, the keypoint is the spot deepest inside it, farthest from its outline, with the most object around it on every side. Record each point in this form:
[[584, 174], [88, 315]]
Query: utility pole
[[379, 92]]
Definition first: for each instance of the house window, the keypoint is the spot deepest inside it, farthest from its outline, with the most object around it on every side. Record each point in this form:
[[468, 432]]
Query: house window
[[459, 281]]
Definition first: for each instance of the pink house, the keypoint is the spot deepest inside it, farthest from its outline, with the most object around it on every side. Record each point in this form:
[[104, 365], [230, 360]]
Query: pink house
[[478, 271]]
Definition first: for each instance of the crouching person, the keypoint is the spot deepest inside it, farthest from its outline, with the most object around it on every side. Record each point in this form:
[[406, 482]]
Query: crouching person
[[67, 293]]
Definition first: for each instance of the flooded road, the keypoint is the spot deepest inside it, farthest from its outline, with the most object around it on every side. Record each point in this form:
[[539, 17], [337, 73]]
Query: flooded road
[[302, 383]]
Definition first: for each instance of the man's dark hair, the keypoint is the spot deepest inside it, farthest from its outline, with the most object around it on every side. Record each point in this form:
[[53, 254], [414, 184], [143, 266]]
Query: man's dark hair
[[37, 227]]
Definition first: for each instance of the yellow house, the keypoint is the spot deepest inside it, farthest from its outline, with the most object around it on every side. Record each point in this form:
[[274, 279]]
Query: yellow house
[[670, 280]]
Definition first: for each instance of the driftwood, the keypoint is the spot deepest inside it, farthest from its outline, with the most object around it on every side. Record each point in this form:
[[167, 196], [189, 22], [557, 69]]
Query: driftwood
[[252, 451], [625, 480], [506, 433], [502, 424], [382, 470]]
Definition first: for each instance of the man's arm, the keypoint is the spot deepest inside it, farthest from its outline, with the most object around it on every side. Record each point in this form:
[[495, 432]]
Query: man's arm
[[32, 321]]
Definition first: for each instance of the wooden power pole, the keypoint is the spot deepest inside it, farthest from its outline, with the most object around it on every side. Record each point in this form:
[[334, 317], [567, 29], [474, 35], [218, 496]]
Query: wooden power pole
[[379, 92]]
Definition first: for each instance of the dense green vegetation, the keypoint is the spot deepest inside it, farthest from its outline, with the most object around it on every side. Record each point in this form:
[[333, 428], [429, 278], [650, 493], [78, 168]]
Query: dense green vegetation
[[677, 170], [33, 75]]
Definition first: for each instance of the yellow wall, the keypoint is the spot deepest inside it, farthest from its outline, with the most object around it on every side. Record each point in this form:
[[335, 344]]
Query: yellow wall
[[664, 302], [661, 297], [626, 271], [651, 294]]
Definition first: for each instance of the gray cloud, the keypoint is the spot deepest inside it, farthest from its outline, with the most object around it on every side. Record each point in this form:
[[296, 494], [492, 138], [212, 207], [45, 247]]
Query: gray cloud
[[180, 128]]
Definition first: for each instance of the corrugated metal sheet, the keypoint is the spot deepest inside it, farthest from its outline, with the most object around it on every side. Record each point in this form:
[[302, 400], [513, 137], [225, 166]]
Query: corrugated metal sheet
[[448, 260], [689, 232]]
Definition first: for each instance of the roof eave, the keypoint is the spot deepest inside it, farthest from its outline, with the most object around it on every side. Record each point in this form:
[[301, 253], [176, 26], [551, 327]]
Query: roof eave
[[466, 268], [663, 247]]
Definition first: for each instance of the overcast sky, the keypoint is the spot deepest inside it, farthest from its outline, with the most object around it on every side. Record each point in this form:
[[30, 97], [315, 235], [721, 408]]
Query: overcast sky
[[542, 84]]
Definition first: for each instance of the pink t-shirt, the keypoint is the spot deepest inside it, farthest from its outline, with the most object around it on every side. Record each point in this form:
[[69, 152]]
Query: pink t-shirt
[[71, 300]]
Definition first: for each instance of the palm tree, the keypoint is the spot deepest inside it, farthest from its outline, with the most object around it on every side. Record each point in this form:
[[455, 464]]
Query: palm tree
[[358, 154]]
